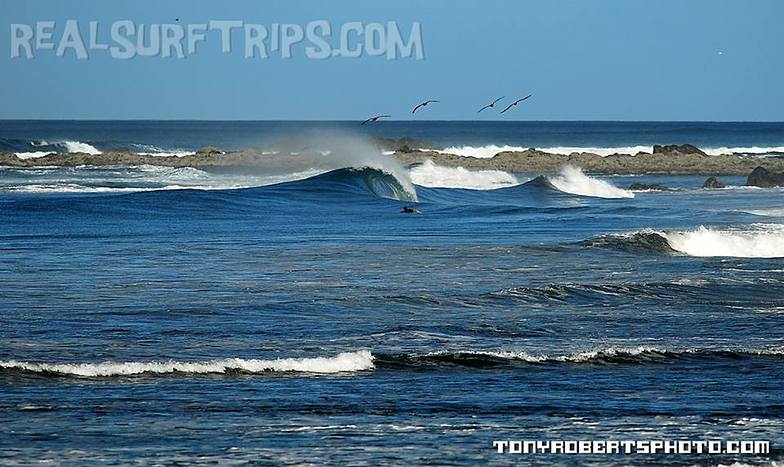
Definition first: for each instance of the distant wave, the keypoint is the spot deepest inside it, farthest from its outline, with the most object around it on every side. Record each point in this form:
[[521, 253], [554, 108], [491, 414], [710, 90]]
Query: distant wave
[[343, 362], [490, 150], [364, 360], [767, 212], [605, 355], [572, 180], [431, 175], [751, 241]]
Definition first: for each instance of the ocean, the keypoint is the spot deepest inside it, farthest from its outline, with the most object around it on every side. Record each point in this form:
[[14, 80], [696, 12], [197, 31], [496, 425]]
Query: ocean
[[161, 315]]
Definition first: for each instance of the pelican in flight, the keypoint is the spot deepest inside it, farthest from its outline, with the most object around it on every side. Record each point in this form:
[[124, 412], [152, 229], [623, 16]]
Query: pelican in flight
[[516, 102], [375, 119], [492, 104], [423, 104]]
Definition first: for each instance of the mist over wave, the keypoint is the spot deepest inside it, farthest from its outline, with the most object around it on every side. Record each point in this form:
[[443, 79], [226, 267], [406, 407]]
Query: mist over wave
[[572, 180], [431, 175]]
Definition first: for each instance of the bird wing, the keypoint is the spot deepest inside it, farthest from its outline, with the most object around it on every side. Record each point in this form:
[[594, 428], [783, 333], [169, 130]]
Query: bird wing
[[384, 116], [524, 98], [495, 101], [366, 121], [432, 100], [485, 107], [509, 107], [418, 106]]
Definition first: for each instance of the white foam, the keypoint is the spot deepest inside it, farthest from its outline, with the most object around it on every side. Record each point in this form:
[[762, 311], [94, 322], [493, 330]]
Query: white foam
[[344, 362], [572, 180], [481, 152], [32, 155], [754, 241], [431, 175], [77, 146], [751, 150]]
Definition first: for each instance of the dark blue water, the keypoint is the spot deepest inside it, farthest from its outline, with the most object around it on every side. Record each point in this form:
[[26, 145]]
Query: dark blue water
[[311, 322]]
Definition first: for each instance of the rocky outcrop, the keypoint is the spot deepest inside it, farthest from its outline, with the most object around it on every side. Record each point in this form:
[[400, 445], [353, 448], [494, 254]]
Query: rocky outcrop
[[764, 178], [674, 148], [648, 187], [403, 144], [210, 151], [713, 183], [674, 162], [660, 163]]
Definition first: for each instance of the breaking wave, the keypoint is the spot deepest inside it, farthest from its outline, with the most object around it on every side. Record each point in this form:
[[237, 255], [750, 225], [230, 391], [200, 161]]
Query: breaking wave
[[431, 175], [572, 180], [363, 360], [751, 241], [343, 362], [605, 355], [378, 182]]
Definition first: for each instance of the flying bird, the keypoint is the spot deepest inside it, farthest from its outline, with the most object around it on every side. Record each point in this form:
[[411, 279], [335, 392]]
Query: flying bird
[[375, 119], [516, 102], [492, 104], [423, 104]]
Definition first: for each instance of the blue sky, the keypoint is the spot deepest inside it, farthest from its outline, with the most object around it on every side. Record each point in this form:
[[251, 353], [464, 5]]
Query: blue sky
[[582, 60]]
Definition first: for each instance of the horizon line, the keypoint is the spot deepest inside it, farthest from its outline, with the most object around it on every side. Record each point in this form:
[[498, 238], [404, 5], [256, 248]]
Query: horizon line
[[374, 124]]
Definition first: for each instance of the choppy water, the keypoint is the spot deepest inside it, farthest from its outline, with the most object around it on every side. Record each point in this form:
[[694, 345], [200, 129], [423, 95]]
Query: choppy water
[[311, 321]]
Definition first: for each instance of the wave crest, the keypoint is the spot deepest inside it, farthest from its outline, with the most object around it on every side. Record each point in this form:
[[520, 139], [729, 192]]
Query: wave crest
[[604, 355], [750, 241], [431, 175], [572, 180], [340, 363]]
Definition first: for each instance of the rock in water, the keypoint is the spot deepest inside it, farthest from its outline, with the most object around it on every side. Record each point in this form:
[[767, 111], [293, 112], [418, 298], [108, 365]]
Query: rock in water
[[713, 182], [682, 149], [209, 151], [647, 187], [764, 178]]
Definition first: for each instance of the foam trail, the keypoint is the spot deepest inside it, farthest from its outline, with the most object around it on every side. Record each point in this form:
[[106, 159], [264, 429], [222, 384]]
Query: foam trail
[[431, 175], [343, 362], [756, 241], [572, 180]]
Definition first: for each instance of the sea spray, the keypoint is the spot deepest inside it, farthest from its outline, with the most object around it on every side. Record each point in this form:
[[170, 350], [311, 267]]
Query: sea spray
[[431, 175], [572, 180]]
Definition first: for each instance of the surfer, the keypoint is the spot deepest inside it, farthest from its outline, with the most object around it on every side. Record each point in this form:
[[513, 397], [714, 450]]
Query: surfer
[[410, 210]]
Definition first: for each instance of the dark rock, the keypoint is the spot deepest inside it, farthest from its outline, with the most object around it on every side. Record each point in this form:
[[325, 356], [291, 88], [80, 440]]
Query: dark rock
[[713, 182], [764, 178], [683, 149], [647, 187], [403, 144], [209, 151]]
